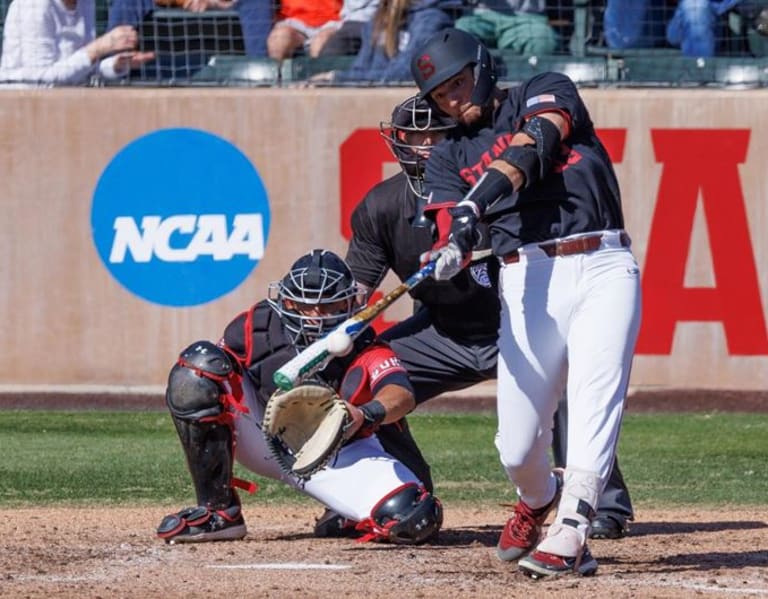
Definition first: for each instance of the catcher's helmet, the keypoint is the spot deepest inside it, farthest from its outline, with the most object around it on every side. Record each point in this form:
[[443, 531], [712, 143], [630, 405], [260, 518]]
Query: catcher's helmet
[[316, 282], [413, 115], [445, 54]]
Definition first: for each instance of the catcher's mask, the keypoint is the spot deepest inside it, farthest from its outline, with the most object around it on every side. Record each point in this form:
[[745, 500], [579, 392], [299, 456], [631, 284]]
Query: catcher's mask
[[415, 127], [445, 54], [318, 294]]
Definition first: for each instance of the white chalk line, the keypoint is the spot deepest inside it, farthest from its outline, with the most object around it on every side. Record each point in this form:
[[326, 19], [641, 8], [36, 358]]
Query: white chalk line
[[709, 588], [281, 566]]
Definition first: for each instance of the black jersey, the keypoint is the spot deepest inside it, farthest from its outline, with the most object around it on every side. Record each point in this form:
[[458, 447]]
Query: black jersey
[[580, 194], [383, 238]]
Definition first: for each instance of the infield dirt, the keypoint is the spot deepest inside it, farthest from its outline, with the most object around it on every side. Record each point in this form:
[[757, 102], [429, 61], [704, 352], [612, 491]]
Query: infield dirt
[[102, 552]]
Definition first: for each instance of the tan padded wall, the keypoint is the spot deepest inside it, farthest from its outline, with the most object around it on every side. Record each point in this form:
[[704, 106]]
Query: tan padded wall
[[68, 321]]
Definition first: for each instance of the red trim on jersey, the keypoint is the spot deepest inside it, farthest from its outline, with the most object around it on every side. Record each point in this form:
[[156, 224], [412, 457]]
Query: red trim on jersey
[[379, 362], [561, 112]]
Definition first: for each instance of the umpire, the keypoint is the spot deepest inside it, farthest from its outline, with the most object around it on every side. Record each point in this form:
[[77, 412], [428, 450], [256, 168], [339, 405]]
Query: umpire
[[450, 342]]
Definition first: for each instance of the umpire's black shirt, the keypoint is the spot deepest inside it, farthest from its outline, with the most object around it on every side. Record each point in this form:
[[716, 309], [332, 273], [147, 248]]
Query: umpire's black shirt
[[383, 237]]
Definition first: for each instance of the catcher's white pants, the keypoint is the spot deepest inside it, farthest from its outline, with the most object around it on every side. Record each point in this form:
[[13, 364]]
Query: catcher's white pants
[[567, 324], [352, 484]]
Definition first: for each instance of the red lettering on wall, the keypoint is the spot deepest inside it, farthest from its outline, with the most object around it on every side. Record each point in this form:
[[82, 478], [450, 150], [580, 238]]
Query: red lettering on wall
[[701, 162], [691, 167], [362, 156], [614, 141]]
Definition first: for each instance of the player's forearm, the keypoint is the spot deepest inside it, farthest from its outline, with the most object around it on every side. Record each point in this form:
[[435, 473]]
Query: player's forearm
[[397, 402]]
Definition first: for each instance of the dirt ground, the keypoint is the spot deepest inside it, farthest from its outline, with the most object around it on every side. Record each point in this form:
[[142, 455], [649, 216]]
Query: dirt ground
[[91, 553], [112, 552]]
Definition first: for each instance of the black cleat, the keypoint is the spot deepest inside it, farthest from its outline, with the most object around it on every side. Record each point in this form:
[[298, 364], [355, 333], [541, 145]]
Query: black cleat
[[609, 527]]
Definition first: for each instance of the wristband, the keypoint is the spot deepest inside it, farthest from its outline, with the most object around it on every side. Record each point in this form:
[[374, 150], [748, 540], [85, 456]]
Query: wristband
[[374, 412]]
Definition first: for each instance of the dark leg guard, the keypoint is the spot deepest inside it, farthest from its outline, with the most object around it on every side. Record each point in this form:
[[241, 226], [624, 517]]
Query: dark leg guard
[[407, 516], [206, 435]]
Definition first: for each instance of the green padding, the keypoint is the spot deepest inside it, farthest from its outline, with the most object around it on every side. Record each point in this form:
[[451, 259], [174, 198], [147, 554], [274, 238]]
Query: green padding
[[681, 70], [233, 70], [303, 67], [513, 67]]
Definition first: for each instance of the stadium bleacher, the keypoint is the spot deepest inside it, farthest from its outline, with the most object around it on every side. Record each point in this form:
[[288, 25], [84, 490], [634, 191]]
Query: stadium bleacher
[[207, 49]]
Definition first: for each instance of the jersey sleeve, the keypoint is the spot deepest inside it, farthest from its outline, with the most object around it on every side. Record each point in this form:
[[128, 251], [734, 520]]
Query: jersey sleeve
[[366, 255], [442, 179], [549, 92], [373, 369]]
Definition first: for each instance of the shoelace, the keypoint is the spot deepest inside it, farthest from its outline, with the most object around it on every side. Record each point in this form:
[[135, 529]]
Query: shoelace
[[521, 525]]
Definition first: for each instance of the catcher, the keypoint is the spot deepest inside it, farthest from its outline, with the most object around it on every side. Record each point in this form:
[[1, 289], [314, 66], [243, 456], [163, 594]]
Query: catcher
[[217, 396]]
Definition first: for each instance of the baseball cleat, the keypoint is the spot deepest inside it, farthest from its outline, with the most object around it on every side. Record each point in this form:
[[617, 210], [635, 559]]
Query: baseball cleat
[[200, 525], [608, 527], [522, 531], [540, 564], [332, 525]]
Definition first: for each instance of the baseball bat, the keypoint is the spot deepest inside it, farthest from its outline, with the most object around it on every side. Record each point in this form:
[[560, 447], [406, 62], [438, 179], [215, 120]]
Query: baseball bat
[[316, 356]]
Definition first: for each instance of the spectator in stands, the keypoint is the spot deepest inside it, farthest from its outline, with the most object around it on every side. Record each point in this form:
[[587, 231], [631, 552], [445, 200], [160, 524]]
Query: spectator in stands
[[303, 25], [693, 26], [255, 16], [518, 25], [53, 42], [396, 31], [347, 39]]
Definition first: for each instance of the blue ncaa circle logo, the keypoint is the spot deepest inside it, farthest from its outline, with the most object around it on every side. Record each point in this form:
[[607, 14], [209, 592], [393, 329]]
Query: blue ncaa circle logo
[[180, 217]]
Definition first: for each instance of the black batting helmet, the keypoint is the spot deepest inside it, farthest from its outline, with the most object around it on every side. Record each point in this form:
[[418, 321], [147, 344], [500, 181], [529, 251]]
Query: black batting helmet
[[445, 54], [317, 278], [413, 115]]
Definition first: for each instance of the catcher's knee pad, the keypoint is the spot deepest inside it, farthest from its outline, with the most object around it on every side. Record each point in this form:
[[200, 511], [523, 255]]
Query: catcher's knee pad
[[408, 516], [194, 390]]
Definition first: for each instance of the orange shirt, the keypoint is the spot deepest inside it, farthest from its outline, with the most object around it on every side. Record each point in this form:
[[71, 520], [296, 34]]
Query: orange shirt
[[311, 12]]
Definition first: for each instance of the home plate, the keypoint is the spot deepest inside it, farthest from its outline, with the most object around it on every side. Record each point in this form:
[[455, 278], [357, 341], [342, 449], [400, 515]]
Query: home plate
[[281, 566]]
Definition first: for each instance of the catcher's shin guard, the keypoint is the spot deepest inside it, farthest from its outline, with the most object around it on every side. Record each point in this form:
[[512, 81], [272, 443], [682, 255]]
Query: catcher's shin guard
[[407, 516], [194, 396]]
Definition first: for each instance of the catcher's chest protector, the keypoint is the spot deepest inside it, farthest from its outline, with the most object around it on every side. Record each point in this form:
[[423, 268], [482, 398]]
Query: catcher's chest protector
[[268, 348]]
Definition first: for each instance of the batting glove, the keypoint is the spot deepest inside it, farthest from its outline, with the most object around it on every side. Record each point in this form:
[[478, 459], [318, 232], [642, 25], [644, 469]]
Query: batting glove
[[452, 257]]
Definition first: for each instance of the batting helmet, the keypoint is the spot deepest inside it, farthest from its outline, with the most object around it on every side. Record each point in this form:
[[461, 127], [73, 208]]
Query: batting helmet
[[412, 116], [445, 54], [318, 294]]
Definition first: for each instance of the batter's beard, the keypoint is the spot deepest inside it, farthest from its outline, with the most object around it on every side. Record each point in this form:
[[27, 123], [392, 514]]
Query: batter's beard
[[477, 116], [471, 116]]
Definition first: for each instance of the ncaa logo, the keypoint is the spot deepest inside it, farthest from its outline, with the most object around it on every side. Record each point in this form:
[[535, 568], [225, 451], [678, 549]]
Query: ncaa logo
[[180, 217]]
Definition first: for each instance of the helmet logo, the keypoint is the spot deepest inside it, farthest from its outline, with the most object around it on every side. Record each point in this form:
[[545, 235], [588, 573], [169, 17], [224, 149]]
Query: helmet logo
[[426, 66]]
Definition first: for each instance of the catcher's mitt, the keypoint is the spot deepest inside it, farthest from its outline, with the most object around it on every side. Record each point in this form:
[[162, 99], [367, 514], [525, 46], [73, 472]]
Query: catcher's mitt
[[304, 427]]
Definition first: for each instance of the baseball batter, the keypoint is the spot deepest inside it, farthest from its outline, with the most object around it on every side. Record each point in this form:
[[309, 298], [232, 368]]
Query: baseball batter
[[216, 395], [569, 284], [450, 342]]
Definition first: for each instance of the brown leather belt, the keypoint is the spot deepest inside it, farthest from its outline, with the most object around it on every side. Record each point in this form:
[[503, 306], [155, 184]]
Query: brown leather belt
[[567, 247]]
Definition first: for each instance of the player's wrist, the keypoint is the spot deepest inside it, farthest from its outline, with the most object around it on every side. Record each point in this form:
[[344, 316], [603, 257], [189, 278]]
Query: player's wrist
[[374, 413]]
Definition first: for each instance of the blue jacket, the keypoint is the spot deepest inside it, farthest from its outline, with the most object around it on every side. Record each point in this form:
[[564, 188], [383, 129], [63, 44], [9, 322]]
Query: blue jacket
[[372, 65]]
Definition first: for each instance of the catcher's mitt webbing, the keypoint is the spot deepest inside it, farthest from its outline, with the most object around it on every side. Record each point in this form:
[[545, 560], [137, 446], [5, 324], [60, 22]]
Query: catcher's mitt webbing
[[304, 427]]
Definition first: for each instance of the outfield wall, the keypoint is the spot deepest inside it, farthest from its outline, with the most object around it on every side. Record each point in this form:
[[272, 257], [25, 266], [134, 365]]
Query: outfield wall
[[81, 165]]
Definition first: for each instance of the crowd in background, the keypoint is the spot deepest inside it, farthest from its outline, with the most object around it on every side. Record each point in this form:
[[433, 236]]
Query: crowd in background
[[73, 42]]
